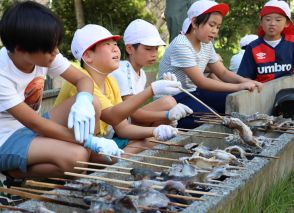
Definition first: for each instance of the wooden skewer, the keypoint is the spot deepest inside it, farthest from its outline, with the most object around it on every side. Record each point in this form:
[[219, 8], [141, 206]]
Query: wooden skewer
[[135, 161], [200, 136], [201, 102], [204, 131], [12, 208], [131, 182], [153, 157], [104, 165], [44, 192], [164, 143], [273, 130], [161, 150], [41, 198], [206, 122], [257, 155]]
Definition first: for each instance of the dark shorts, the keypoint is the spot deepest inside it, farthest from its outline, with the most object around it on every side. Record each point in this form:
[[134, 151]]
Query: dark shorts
[[215, 100], [14, 152]]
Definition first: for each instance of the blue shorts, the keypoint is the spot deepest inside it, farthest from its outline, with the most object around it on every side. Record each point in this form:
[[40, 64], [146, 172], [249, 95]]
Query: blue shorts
[[14, 152], [215, 100], [120, 142]]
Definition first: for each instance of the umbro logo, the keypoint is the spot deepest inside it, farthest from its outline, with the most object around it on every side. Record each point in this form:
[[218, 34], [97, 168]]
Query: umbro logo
[[260, 55]]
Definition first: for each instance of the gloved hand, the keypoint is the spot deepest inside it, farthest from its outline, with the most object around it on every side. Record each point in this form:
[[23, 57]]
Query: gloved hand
[[82, 116], [169, 76], [164, 132], [178, 111], [166, 87], [103, 145]]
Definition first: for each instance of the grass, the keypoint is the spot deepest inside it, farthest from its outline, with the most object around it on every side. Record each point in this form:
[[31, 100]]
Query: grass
[[278, 199]]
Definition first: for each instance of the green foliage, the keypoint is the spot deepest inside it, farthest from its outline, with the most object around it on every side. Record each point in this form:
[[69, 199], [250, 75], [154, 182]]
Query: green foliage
[[243, 18], [113, 15]]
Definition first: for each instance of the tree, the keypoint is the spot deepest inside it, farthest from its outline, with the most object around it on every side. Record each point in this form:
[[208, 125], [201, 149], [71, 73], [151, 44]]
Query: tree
[[79, 13]]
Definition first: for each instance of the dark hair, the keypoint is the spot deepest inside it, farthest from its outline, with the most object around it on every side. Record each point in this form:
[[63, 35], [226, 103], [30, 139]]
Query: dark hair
[[30, 27], [135, 47], [201, 19]]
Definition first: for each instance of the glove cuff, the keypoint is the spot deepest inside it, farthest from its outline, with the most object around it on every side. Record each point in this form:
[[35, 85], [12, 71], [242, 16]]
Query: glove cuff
[[86, 95], [167, 115], [91, 145]]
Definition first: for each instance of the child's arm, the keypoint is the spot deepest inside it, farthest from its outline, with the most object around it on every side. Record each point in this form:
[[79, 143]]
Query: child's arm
[[196, 75], [44, 127], [82, 113], [115, 114], [134, 132]]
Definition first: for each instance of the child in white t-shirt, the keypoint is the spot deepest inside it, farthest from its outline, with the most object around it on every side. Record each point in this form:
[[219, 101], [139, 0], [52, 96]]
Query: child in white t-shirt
[[142, 41]]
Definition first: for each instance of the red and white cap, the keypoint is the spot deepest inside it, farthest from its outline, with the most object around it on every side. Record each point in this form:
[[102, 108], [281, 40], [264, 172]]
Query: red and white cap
[[140, 31], [275, 6], [203, 7], [186, 25], [87, 37]]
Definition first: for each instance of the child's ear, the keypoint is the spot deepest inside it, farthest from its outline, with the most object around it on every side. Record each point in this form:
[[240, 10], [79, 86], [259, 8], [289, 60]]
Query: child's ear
[[87, 57], [129, 49], [193, 24]]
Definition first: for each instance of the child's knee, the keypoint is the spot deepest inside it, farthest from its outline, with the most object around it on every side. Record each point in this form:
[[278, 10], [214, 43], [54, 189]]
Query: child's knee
[[73, 155], [169, 101]]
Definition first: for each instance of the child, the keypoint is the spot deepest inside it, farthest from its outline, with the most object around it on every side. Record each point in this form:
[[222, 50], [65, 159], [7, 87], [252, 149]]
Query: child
[[237, 58], [96, 49], [189, 54], [271, 55], [31, 145], [142, 40]]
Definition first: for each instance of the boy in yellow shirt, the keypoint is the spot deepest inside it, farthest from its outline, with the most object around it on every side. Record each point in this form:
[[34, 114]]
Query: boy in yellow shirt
[[96, 49]]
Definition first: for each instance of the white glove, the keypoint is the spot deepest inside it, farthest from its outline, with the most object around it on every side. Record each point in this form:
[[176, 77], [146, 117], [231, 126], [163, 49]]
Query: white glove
[[103, 145], [82, 116], [179, 111], [169, 76], [166, 87], [164, 132]]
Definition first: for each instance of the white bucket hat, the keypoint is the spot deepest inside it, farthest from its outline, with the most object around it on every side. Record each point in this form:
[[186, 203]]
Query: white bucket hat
[[87, 37], [203, 7], [142, 32], [247, 40]]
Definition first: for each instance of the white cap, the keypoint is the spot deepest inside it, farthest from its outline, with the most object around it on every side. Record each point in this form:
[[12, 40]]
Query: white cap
[[247, 40], [186, 25], [87, 37], [142, 32], [275, 6], [202, 7]]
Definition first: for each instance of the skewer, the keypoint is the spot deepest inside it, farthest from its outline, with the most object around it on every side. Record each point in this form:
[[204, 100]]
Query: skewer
[[164, 143], [257, 155], [198, 100], [44, 192], [125, 173], [204, 131], [199, 136], [153, 157], [273, 130], [206, 122], [163, 150], [41, 198], [131, 182], [135, 161], [12, 208], [104, 165]]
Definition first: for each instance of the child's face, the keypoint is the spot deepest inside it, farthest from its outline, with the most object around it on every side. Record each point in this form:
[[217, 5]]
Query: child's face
[[144, 55], [40, 58], [208, 31], [273, 24], [106, 56]]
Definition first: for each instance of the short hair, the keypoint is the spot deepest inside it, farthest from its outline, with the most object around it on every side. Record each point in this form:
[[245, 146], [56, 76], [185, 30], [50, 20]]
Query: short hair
[[201, 19], [135, 47], [31, 27]]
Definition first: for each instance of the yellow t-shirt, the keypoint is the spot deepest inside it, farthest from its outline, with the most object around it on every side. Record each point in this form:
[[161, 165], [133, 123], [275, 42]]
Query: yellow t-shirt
[[109, 99]]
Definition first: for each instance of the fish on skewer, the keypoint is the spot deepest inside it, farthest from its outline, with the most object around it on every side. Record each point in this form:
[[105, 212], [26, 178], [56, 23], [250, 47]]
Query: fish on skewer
[[244, 131]]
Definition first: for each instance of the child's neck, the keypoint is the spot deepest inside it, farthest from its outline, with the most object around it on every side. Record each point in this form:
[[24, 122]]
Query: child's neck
[[272, 38], [20, 63], [135, 65], [98, 78], [194, 41]]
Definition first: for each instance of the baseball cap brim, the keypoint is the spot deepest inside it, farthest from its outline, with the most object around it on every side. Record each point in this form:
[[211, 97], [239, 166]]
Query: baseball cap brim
[[222, 8], [114, 37], [153, 42]]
